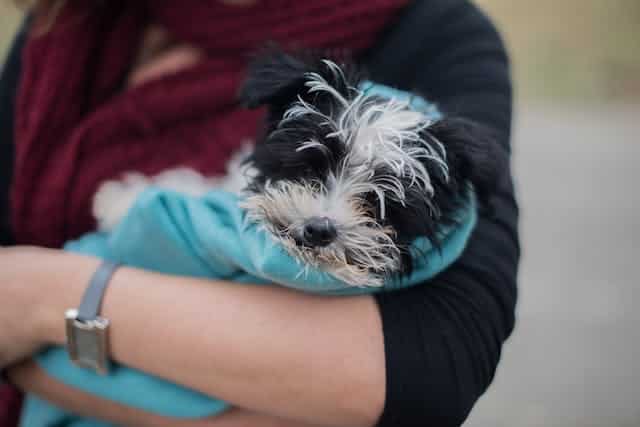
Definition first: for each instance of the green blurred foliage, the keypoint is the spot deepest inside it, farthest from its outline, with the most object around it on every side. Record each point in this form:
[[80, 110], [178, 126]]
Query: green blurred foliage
[[567, 51], [572, 50], [9, 20]]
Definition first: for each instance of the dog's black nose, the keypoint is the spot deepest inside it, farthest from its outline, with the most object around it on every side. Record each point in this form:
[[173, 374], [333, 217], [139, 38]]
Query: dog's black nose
[[319, 231]]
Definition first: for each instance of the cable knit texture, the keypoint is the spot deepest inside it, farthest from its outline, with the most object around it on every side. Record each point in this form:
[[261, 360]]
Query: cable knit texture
[[76, 127]]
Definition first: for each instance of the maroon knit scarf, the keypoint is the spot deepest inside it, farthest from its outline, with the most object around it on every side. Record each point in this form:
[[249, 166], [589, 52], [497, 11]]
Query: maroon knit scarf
[[76, 127]]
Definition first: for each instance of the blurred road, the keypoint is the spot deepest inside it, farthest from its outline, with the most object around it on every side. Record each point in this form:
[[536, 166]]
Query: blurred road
[[574, 359]]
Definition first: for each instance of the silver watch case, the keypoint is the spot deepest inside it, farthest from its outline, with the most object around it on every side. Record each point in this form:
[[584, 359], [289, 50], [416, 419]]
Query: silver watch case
[[87, 342]]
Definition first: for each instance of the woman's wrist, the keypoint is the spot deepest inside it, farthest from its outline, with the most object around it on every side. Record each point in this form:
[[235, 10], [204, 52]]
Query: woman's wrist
[[36, 286], [61, 283]]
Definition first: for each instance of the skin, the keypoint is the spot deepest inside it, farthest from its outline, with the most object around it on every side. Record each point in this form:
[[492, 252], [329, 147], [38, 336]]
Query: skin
[[82, 404], [289, 360], [320, 359]]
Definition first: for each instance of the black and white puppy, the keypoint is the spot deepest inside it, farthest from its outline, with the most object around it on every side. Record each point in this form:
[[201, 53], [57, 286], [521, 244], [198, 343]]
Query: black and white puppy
[[344, 179]]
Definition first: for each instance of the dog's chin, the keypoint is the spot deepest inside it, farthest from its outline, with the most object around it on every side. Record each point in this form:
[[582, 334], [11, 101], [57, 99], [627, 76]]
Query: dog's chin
[[335, 261], [356, 276]]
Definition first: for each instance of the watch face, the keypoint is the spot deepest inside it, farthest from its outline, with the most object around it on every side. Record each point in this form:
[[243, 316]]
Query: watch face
[[87, 342]]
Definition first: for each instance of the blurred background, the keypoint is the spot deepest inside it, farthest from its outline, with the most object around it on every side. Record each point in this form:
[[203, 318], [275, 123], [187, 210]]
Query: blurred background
[[574, 357]]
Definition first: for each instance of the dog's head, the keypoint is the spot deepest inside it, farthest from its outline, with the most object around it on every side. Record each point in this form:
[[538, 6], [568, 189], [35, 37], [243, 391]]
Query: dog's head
[[346, 180]]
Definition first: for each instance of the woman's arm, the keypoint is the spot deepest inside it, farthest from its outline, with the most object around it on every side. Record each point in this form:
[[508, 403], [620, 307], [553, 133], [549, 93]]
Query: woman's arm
[[267, 349], [29, 377]]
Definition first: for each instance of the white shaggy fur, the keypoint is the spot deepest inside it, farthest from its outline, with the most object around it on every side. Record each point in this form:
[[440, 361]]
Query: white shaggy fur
[[377, 134], [113, 199]]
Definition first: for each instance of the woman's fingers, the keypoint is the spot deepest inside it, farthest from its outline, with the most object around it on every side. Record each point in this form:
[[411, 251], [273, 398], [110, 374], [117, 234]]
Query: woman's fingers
[[160, 56]]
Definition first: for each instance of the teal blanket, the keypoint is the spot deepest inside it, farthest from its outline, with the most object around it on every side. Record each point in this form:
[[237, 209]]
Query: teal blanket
[[210, 237], [207, 237]]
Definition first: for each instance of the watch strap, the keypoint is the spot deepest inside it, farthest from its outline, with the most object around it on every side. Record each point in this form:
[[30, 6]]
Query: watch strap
[[92, 299]]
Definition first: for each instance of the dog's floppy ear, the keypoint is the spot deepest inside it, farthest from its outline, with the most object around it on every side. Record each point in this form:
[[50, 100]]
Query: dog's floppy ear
[[274, 77], [473, 152]]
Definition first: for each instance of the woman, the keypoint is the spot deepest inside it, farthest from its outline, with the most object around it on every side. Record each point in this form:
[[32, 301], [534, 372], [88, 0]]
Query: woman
[[417, 357]]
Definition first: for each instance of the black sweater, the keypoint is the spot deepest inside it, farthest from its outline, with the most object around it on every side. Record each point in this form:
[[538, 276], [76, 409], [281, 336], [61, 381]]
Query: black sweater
[[442, 340]]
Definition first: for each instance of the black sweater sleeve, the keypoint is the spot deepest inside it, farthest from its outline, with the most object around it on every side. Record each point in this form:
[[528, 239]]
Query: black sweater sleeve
[[443, 339]]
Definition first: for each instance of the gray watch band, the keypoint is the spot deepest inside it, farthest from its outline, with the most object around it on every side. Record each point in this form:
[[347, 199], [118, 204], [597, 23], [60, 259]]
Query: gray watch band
[[92, 298], [87, 332]]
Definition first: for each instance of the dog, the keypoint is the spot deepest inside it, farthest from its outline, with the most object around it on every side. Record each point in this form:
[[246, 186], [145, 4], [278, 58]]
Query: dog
[[344, 178]]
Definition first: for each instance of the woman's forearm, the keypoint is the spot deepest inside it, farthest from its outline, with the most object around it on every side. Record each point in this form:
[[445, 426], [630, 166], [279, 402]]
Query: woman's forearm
[[272, 350], [30, 378]]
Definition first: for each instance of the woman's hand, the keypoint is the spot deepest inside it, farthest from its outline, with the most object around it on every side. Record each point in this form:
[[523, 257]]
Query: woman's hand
[[28, 278], [160, 56]]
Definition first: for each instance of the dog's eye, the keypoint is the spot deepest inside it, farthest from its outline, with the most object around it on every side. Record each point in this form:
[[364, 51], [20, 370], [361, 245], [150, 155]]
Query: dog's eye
[[310, 165], [371, 205], [368, 205]]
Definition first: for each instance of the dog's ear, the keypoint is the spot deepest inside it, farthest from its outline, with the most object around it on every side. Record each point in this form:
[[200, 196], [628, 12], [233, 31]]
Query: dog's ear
[[274, 77], [473, 153]]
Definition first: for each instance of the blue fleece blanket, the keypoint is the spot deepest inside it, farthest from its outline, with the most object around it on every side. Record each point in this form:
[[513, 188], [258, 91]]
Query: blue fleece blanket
[[209, 237]]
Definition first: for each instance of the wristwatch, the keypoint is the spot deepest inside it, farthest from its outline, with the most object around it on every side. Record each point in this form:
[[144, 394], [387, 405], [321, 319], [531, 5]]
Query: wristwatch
[[87, 332]]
